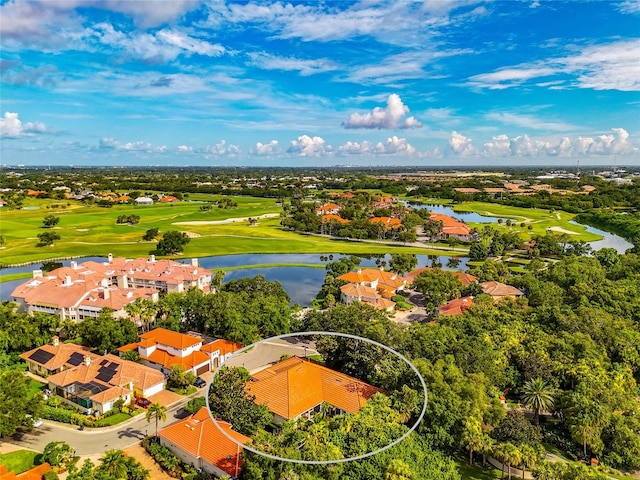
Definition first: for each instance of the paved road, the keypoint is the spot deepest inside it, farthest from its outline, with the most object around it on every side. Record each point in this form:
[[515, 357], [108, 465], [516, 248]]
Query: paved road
[[268, 353], [88, 441]]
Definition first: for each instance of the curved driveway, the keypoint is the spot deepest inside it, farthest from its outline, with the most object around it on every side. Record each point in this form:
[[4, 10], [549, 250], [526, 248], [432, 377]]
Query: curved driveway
[[88, 441]]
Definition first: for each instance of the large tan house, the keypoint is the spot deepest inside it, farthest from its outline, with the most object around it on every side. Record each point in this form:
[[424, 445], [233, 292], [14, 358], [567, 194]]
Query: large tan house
[[82, 290]]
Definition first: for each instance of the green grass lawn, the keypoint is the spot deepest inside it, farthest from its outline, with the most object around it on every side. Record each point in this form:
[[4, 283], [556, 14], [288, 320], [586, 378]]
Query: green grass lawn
[[113, 419], [476, 472], [19, 461], [35, 387], [539, 219], [92, 231]]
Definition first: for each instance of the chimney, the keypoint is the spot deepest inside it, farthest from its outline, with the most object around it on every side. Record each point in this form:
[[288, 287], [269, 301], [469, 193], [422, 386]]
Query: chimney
[[381, 268], [55, 341], [67, 280], [194, 262], [37, 274], [123, 281], [87, 360], [110, 258], [152, 258], [104, 283], [195, 271], [106, 293], [359, 270], [74, 264], [131, 385]]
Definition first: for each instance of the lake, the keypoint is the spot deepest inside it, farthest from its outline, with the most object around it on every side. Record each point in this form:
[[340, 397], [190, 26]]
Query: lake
[[301, 283], [464, 216], [609, 241]]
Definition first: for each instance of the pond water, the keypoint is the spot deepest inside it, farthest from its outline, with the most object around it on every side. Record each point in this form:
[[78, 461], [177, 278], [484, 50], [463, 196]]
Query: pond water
[[609, 241], [301, 283], [464, 216]]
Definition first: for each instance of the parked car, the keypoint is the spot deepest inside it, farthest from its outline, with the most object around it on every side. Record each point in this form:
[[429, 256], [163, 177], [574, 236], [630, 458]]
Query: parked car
[[200, 382], [143, 402], [37, 423]]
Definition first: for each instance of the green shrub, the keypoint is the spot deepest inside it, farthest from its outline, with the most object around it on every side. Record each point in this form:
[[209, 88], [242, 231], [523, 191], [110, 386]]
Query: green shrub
[[51, 475], [57, 414]]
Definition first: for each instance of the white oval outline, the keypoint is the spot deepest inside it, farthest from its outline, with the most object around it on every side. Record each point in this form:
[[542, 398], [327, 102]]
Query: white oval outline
[[320, 462]]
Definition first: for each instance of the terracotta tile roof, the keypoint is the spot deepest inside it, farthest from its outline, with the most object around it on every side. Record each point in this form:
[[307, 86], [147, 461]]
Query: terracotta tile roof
[[291, 387], [225, 346], [495, 190], [36, 473], [128, 347], [337, 218], [380, 302], [456, 306], [467, 190], [356, 290], [388, 222], [384, 277], [328, 206], [173, 339], [168, 199], [164, 358], [201, 438], [125, 371], [465, 278], [497, 289], [57, 356], [110, 394], [357, 277]]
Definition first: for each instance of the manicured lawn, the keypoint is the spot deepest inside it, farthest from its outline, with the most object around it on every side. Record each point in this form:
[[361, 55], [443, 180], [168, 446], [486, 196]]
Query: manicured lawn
[[476, 472], [19, 461], [35, 387], [114, 419], [539, 219], [92, 231]]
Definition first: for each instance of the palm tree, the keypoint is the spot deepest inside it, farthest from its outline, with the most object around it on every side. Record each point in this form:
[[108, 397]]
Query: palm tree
[[472, 437], [157, 411], [529, 457], [398, 470], [538, 395], [486, 447], [508, 454], [114, 462]]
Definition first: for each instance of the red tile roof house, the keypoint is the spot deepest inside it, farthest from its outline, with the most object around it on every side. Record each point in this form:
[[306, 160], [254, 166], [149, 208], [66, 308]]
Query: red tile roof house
[[55, 357], [452, 228], [82, 290], [500, 291], [297, 387], [161, 349], [197, 441], [371, 285], [456, 306], [97, 383], [328, 209]]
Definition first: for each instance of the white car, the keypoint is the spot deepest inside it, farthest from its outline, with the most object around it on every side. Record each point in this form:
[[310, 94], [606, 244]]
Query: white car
[[37, 423]]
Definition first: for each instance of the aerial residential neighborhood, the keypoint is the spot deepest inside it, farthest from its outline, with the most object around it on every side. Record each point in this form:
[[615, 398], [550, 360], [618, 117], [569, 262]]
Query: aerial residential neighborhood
[[125, 350]]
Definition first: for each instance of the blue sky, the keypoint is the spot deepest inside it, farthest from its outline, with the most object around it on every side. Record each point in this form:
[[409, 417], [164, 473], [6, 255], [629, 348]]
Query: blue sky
[[320, 83]]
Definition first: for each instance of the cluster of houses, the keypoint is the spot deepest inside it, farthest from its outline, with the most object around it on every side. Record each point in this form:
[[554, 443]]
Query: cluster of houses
[[82, 290], [377, 287], [291, 388], [95, 382], [451, 227]]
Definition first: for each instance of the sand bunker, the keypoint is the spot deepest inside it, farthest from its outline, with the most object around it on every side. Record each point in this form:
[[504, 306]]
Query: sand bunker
[[228, 220], [562, 230]]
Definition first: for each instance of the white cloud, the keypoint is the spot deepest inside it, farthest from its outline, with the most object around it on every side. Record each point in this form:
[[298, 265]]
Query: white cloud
[[611, 66], [139, 146], [267, 149], [529, 121], [392, 116], [355, 148], [307, 146], [185, 148], [461, 145], [630, 6], [164, 45], [12, 127], [305, 67], [395, 145], [222, 148], [615, 143]]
